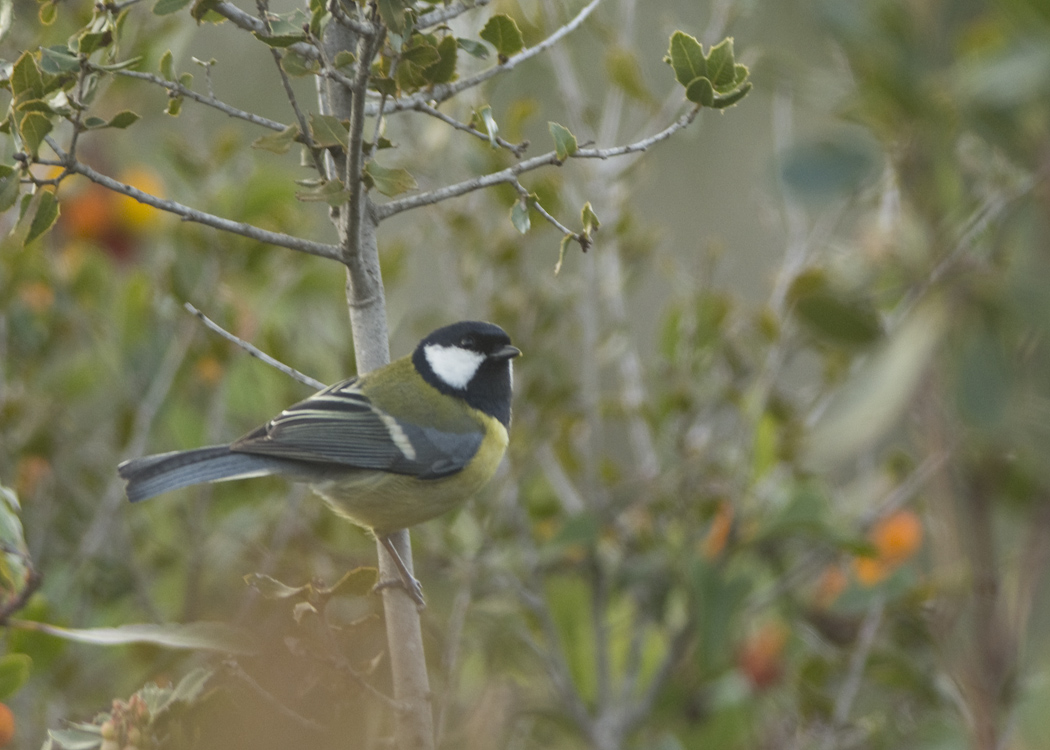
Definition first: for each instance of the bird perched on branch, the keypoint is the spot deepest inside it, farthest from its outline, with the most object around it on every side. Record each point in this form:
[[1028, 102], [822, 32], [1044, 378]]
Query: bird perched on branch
[[395, 447]]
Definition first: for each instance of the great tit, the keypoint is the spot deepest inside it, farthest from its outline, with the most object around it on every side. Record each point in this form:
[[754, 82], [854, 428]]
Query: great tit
[[387, 450]]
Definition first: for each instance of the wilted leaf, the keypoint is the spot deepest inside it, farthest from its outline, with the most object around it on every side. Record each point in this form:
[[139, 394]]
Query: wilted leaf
[[207, 636], [389, 182], [502, 32], [488, 121], [589, 219], [564, 141], [561, 252], [271, 588], [356, 582], [331, 192]]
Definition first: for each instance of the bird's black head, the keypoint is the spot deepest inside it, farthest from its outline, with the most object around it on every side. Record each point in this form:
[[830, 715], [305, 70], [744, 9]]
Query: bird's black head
[[470, 360]]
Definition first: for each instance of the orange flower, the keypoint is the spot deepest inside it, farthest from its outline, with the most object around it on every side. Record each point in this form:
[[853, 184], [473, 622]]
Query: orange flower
[[761, 657], [718, 534], [870, 570]]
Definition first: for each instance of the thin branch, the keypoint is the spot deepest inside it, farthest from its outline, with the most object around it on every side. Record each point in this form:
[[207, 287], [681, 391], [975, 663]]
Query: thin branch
[[248, 22], [367, 50], [443, 15], [252, 350], [449, 90], [176, 88], [309, 247], [518, 150], [340, 15], [510, 174]]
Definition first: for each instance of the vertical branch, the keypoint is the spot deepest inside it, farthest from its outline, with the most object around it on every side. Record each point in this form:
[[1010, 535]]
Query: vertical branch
[[356, 222]]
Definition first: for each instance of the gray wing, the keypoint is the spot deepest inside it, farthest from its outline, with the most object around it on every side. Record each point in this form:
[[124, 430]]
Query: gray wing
[[341, 426]]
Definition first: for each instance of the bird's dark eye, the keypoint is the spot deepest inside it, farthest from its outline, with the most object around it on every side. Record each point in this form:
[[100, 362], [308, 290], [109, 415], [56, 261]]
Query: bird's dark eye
[[467, 342]]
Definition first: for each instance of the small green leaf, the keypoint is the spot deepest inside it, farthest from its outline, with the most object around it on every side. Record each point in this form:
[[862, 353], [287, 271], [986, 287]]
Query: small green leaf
[[686, 57], [73, 739], [167, 7], [421, 53], [131, 62], [94, 123], [174, 106], [357, 582], [519, 216], [167, 66], [728, 100], [721, 65], [48, 13], [35, 105], [331, 192], [93, 41], [123, 119], [285, 30], [700, 91], [488, 122], [328, 131], [271, 588], [26, 80], [44, 212], [298, 66], [472, 48], [502, 32], [564, 141], [392, 12], [561, 252], [57, 60], [343, 59], [33, 126], [444, 70], [204, 10], [589, 219], [277, 143], [9, 188], [389, 182]]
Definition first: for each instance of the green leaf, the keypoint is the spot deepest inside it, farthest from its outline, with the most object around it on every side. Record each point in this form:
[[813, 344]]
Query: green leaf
[[167, 66], [444, 70], [285, 30], [204, 10], [343, 59], [14, 673], [32, 127], [564, 141], [356, 582], [686, 57], [206, 636], [700, 91], [832, 316], [57, 60], [502, 32], [721, 65], [472, 48], [389, 182], [489, 123], [328, 131], [44, 212], [331, 192], [123, 119], [519, 216], [189, 688], [278, 143], [131, 62], [73, 739], [167, 7], [393, 14], [9, 188], [271, 588], [298, 66], [6, 16], [48, 13], [26, 80], [421, 54], [35, 105], [93, 41], [728, 100]]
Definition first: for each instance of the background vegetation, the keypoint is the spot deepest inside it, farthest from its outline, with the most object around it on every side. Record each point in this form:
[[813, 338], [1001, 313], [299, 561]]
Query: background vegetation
[[777, 475]]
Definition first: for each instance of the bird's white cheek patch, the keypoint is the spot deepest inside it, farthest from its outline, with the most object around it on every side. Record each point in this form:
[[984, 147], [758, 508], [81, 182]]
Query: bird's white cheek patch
[[453, 365]]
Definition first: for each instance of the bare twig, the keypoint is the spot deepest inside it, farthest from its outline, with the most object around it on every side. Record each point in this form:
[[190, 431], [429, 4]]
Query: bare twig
[[191, 214], [518, 150], [367, 49], [178, 89], [254, 351], [510, 174], [444, 15], [341, 16], [250, 23]]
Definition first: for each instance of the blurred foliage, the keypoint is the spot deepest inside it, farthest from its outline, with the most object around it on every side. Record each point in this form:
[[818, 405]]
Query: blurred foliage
[[816, 520]]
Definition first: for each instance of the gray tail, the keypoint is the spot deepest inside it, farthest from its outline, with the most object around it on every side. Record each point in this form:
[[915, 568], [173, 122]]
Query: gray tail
[[154, 475]]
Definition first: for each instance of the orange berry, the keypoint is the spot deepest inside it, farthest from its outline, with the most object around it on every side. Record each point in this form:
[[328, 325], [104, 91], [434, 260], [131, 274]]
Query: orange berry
[[7, 725], [89, 213], [832, 582], [870, 570], [897, 536]]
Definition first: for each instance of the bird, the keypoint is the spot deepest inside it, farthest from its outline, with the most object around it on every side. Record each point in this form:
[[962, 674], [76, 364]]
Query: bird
[[386, 450]]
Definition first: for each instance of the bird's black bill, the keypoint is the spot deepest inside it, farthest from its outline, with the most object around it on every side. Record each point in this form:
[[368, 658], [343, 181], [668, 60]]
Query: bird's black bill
[[506, 352]]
